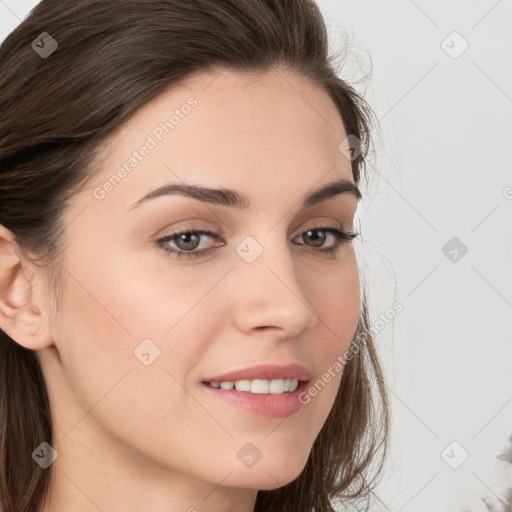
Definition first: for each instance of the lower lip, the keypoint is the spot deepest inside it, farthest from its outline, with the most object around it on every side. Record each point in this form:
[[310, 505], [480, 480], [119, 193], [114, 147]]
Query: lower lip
[[263, 404]]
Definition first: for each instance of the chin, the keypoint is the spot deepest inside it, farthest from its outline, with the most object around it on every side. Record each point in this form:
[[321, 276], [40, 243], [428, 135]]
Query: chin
[[275, 472], [268, 482]]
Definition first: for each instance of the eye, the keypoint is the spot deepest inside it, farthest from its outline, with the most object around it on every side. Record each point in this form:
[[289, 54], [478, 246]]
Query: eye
[[339, 236], [187, 241]]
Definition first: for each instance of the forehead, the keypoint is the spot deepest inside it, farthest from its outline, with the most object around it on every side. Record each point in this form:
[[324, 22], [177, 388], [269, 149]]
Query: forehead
[[230, 129]]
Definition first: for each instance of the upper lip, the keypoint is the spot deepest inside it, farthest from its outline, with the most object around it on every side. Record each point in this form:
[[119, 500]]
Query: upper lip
[[266, 372]]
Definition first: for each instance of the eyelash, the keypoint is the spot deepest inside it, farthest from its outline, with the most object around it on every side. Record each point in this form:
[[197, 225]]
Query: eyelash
[[341, 236]]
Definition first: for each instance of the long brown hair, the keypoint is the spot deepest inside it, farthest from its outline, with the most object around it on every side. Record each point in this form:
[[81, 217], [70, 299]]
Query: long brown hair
[[106, 59]]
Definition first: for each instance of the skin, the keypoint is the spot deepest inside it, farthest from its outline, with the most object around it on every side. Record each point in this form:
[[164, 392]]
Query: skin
[[131, 437]]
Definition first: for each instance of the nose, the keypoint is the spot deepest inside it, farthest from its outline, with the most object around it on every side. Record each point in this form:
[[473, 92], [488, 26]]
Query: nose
[[269, 296]]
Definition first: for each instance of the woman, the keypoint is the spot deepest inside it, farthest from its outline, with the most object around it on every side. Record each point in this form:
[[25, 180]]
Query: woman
[[183, 325]]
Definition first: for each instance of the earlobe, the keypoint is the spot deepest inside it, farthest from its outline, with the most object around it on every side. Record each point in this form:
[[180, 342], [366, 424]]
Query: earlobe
[[20, 318]]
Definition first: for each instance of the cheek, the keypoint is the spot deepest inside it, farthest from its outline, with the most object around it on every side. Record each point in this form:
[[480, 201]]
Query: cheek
[[123, 324], [334, 293], [122, 372], [335, 296], [160, 298]]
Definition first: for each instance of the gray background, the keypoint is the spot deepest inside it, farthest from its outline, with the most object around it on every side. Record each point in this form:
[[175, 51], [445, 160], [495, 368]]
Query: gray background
[[442, 169]]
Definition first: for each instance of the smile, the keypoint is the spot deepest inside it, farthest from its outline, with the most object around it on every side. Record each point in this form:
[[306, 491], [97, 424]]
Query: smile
[[259, 386]]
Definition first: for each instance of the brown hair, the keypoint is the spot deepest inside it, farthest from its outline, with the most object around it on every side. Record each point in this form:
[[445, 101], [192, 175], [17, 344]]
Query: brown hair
[[114, 56]]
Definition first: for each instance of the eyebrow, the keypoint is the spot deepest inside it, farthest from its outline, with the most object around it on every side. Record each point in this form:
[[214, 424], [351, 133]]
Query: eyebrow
[[235, 199]]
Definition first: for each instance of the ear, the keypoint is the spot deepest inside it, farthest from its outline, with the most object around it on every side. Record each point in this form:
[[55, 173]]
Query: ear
[[20, 317]]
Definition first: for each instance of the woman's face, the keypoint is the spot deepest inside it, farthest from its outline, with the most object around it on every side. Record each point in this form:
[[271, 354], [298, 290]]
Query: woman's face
[[140, 330]]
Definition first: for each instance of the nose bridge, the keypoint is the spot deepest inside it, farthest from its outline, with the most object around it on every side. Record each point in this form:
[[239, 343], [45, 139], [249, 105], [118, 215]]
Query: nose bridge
[[270, 292]]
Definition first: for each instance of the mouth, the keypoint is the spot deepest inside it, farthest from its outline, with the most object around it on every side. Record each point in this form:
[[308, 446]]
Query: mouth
[[262, 378], [258, 386], [260, 397], [264, 390], [260, 403]]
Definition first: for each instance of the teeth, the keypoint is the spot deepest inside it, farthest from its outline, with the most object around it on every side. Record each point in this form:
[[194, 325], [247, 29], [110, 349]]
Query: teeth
[[259, 386], [243, 385]]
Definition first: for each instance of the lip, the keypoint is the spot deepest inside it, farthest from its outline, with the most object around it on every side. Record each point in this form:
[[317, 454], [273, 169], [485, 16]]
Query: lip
[[270, 405], [264, 371]]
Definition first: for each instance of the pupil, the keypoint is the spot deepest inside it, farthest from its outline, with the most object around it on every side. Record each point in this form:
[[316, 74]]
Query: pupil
[[318, 240], [185, 237]]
